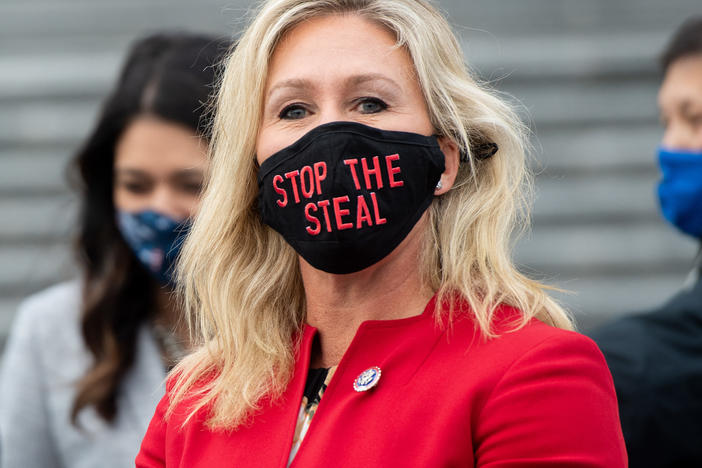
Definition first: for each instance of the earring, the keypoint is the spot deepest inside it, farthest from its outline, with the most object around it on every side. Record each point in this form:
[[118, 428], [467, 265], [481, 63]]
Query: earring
[[439, 185]]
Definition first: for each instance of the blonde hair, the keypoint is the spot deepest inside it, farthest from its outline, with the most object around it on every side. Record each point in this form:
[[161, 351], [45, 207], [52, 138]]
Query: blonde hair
[[240, 280]]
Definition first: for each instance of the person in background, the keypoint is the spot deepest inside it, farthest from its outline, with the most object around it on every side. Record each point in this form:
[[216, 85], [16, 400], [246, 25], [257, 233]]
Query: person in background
[[349, 272], [656, 357], [85, 360]]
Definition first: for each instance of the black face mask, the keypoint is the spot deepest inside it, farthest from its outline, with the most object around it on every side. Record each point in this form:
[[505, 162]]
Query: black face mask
[[345, 195]]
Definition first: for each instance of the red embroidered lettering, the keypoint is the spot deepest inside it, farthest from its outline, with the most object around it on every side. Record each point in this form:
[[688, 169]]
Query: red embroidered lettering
[[393, 170], [338, 212], [378, 219], [284, 201], [376, 171], [292, 176], [352, 164], [320, 173], [317, 226], [362, 214], [324, 204], [307, 188]]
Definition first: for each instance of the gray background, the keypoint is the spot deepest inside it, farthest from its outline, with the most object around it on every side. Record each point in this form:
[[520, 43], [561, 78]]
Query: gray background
[[583, 72]]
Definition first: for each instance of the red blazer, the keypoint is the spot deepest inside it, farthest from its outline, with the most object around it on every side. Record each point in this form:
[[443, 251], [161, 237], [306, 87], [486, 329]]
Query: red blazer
[[537, 397]]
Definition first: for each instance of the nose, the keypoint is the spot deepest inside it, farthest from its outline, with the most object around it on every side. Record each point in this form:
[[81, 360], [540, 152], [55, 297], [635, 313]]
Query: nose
[[331, 111], [163, 200], [677, 135]]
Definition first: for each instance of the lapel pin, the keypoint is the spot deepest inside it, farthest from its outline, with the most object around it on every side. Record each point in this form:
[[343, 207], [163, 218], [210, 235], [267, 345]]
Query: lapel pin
[[367, 379]]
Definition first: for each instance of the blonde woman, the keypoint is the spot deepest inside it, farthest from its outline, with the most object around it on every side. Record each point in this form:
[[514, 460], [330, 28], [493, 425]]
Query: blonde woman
[[349, 273]]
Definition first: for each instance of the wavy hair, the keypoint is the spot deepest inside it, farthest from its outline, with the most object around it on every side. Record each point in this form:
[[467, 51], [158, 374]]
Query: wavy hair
[[686, 41], [240, 280], [170, 76]]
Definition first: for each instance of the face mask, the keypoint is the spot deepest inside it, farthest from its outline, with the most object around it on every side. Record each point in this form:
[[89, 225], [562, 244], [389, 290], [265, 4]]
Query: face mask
[[680, 189], [155, 239], [345, 195]]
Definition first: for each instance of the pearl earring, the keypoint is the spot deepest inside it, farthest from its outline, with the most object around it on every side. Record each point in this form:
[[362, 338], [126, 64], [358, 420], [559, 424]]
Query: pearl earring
[[439, 186]]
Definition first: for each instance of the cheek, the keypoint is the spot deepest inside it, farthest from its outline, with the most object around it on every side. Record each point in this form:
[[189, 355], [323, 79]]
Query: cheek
[[266, 144], [681, 134], [424, 125], [180, 204], [271, 140], [117, 198], [192, 205], [124, 200]]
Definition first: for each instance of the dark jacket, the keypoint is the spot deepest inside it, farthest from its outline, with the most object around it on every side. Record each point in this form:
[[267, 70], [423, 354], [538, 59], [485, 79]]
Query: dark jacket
[[656, 362]]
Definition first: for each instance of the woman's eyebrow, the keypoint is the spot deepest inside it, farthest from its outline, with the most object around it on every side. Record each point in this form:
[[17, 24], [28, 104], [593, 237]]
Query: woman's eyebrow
[[127, 172], [188, 174], [292, 83], [372, 78], [303, 84]]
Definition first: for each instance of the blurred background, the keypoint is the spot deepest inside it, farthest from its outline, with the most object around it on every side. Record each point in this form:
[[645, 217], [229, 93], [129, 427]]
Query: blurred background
[[583, 72]]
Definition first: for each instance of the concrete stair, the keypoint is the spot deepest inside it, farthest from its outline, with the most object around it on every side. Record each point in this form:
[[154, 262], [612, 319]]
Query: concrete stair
[[582, 73]]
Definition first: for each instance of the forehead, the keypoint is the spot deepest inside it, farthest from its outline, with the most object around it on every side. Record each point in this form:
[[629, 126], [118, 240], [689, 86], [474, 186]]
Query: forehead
[[149, 142], [682, 82], [327, 48]]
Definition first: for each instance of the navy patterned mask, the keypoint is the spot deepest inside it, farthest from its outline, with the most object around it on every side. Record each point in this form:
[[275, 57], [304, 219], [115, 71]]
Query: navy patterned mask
[[155, 239]]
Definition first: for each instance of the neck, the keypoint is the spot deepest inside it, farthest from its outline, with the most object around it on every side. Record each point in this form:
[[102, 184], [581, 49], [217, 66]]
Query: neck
[[170, 315], [338, 304]]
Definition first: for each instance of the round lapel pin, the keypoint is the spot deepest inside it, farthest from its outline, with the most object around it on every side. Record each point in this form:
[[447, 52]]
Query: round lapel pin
[[367, 379]]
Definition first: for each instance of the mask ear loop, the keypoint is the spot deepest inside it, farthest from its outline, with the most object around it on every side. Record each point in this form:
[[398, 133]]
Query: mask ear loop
[[481, 152]]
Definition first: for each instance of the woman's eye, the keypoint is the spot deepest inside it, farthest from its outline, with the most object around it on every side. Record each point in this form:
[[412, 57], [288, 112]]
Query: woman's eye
[[371, 105], [135, 187], [293, 112], [192, 188]]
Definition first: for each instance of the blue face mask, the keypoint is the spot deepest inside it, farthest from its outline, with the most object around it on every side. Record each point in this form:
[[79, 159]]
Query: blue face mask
[[155, 239], [680, 189]]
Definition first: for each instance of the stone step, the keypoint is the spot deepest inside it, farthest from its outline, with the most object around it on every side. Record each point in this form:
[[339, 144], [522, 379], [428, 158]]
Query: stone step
[[56, 18], [66, 74], [37, 219], [602, 250], [595, 301], [27, 268], [592, 300], [598, 148], [560, 105], [34, 171], [46, 122], [577, 200], [581, 250], [562, 153], [577, 104], [41, 207], [584, 73], [568, 16], [76, 73], [8, 311], [549, 57]]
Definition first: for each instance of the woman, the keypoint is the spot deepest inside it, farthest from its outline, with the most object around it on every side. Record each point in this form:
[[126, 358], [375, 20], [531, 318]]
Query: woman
[[86, 359], [349, 270]]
